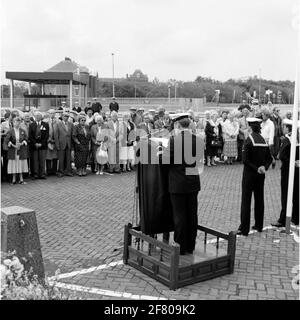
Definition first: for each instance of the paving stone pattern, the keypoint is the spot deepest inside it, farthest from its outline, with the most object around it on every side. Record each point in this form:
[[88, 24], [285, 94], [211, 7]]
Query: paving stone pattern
[[81, 222]]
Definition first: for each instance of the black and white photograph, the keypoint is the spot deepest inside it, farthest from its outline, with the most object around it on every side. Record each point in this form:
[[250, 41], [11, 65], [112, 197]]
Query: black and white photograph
[[150, 153]]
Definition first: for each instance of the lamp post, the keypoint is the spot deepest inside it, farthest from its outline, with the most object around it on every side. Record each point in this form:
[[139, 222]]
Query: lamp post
[[169, 93], [175, 89], [113, 73]]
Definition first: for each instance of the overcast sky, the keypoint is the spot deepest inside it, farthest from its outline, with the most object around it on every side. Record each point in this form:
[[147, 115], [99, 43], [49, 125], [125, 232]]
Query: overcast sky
[[177, 39]]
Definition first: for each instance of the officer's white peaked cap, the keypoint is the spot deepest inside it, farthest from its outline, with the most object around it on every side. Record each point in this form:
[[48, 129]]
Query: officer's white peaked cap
[[253, 120]]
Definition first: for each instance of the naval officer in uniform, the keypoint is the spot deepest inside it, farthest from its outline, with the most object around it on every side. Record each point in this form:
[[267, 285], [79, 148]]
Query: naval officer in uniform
[[183, 155], [284, 156], [257, 158]]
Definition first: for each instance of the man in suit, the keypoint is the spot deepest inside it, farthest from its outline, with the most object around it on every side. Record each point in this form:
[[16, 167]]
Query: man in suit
[[284, 156], [183, 155], [117, 131], [114, 106], [257, 160], [51, 157], [63, 142], [38, 141]]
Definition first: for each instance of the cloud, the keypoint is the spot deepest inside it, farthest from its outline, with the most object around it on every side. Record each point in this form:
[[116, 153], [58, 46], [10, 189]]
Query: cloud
[[165, 39]]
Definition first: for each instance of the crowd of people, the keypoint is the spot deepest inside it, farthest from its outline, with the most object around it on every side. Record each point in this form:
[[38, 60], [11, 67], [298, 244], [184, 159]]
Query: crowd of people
[[65, 142]]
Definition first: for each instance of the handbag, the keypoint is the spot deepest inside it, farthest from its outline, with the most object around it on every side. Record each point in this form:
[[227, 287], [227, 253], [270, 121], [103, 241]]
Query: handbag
[[51, 146], [216, 143], [101, 155]]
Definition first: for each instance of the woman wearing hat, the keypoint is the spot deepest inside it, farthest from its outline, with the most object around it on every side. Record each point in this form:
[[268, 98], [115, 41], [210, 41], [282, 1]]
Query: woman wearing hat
[[99, 133], [15, 143], [81, 137], [284, 156], [211, 133]]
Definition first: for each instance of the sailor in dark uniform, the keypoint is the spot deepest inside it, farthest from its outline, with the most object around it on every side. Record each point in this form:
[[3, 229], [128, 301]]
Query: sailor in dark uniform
[[284, 156], [257, 159], [182, 156]]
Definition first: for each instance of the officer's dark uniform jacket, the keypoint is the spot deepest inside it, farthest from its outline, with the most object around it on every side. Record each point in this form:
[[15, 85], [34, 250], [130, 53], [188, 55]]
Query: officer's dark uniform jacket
[[179, 153]]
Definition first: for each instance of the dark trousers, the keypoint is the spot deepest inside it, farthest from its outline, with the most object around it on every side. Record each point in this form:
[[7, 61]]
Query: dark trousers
[[276, 147], [252, 183], [51, 166], [64, 159], [4, 174], [185, 216], [240, 148], [284, 196], [39, 161], [31, 162]]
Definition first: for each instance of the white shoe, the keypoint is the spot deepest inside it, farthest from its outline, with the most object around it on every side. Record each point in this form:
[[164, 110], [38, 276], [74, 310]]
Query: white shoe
[[101, 173], [97, 173]]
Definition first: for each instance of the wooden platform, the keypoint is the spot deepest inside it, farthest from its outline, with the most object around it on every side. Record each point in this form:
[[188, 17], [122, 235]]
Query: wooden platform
[[162, 261]]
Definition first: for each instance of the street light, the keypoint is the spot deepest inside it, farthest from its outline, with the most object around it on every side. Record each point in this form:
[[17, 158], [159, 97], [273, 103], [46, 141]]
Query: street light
[[113, 73], [169, 93]]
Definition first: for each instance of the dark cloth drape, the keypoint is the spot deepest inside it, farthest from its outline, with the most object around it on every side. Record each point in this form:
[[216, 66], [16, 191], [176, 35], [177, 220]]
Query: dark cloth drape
[[155, 206]]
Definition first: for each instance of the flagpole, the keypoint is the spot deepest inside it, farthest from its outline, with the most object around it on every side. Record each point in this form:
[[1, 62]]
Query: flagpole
[[294, 138]]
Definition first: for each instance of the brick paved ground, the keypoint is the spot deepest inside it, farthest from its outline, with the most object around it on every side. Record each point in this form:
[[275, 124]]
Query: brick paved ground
[[81, 221]]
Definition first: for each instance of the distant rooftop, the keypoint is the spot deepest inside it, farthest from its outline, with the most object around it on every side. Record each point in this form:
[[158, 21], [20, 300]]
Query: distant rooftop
[[67, 65]]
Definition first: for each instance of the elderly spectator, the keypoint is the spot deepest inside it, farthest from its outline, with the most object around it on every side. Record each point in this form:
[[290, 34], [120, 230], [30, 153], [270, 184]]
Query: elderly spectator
[[133, 114], [267, 127], [127, 150], [211, 133], [5, 128], [63, 142], [15, 142], [219, 139], [88, 106], [231, 130], [268, 131], [244, 131], [96, 106], [51, 156], [114, 106], [81, 136], [289, 115], [38, 142], [114, 147], [139, 116], [145, 127], [275, 117], [98, 133], [159, 123], [244, 105], [77, 107], [89, 116]]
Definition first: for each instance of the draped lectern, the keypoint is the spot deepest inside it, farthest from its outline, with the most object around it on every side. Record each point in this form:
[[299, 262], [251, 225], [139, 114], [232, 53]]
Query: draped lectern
[[148, 244]]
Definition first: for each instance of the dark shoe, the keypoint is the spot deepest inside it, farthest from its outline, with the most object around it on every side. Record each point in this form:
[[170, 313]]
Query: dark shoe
[[43, 177], [35, 176], [239, 233], [117, 171], [277, 225], [15, 182], [69, 174], [257, 229], [60, 175]]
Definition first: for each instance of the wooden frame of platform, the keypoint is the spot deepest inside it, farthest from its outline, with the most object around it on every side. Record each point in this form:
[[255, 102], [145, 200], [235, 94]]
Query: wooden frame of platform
[[162, 261]]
